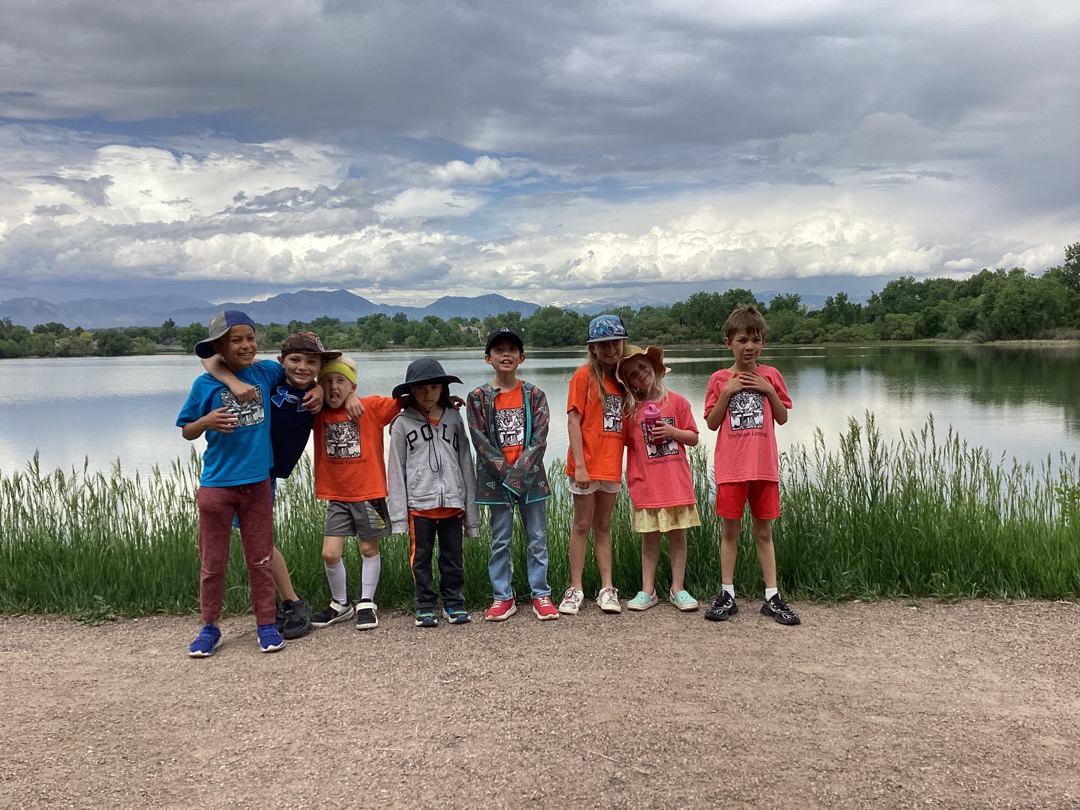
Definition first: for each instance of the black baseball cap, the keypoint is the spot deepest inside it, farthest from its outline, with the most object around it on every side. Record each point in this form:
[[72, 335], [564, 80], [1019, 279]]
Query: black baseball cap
[[507, 334]]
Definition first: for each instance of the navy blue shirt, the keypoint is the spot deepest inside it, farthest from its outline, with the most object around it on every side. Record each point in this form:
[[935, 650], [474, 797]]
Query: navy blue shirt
[[290, 428]]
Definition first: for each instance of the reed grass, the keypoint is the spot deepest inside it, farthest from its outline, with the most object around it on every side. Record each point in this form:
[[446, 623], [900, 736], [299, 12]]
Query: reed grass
[[915, 517]]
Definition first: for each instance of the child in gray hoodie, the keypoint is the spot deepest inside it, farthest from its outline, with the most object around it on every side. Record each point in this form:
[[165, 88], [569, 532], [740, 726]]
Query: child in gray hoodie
[[431, 487]]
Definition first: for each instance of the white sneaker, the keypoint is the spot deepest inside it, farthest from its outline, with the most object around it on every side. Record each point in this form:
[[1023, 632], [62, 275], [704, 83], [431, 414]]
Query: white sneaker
[[571, 602], [608, 601]]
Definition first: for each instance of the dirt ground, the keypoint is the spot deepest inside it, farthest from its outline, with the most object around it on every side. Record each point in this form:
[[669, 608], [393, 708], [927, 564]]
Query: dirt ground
[[887, 705]]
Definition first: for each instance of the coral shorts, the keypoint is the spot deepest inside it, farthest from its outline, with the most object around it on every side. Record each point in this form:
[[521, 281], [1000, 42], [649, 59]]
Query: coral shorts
[[764, 498]]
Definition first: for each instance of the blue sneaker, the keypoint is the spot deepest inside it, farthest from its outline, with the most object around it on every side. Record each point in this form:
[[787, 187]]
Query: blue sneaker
[[204, 645], [270, 639], [426, 618]]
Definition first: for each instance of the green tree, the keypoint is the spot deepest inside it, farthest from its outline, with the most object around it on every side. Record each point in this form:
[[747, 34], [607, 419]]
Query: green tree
[[113, 343], [191, 334]]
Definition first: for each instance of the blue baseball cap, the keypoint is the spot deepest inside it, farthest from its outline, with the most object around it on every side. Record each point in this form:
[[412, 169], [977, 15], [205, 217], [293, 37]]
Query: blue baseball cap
[[220, 325], [606, 327]]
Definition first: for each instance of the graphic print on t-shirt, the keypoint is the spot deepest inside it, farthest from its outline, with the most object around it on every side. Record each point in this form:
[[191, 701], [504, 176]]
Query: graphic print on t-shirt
[[510, 426], [746, 410], [343, 440], [612, 413], [247, 413], [668, 447]]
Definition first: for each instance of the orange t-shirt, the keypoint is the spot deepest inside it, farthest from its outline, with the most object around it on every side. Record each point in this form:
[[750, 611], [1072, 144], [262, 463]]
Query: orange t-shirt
[[601, 425], [510, 422], [350, 462]]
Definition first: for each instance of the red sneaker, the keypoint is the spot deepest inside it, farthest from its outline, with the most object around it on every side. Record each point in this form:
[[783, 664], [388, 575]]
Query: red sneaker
[[500, 610], [544, 609]]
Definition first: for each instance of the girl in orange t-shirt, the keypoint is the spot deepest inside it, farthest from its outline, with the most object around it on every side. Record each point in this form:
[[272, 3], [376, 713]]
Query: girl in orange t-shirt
[[594, 463]]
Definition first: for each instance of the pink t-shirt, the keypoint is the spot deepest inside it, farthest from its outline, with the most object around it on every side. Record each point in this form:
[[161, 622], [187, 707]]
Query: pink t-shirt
[[746, 444], [601, 425], [659, 475]]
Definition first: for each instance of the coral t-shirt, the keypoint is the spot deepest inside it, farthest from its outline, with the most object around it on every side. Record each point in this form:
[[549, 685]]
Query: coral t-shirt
[[658, 475], [510, 423], [746, 442], [350, 462], [601, 425]]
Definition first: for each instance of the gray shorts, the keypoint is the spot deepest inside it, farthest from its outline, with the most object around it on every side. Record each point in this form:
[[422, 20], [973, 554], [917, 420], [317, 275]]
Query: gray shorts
[[366, 520]]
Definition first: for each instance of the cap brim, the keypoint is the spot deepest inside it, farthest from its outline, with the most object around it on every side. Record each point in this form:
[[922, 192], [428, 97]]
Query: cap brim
[[402, 389]]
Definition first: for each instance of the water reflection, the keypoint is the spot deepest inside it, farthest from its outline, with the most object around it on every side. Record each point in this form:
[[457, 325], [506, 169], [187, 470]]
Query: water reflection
[[1021, 402]]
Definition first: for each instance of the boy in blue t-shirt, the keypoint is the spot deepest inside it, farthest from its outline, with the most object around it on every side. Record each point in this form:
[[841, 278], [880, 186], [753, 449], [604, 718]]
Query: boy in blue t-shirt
[[235, 477], [293, 405]]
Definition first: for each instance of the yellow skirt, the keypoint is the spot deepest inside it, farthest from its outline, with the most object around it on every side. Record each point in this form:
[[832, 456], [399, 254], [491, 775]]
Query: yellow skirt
[[665, 518]]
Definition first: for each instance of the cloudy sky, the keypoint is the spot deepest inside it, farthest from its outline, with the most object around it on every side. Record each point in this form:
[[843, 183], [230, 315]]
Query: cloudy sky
[[553, 152]]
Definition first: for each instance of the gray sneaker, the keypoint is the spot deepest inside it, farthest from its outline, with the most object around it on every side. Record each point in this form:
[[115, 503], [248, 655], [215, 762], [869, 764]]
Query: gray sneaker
[[296, 619], [366, 618]]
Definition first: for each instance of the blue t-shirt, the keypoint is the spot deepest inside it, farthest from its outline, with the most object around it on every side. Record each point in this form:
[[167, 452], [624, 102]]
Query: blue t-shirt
[[243, 456], [290, 428]]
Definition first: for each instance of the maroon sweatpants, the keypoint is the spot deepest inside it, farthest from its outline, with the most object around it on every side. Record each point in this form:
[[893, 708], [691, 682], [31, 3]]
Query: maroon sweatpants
[[253, 506]]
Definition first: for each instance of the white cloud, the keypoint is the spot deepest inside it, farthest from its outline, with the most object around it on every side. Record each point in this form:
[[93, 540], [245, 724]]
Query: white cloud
[[544, 149]]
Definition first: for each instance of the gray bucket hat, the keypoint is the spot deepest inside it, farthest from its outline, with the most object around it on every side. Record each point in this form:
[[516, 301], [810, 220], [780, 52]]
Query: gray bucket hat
[[424, 371]]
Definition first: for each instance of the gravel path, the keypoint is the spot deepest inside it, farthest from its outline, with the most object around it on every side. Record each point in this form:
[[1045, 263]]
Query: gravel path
[[888, 705]]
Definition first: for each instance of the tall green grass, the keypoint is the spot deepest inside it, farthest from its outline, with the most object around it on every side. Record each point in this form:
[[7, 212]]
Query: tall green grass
[[914, 517]]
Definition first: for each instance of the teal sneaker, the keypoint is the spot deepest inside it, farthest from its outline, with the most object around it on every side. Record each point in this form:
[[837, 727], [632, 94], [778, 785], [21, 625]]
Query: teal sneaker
[[643, 601], [683, 601], [426, 618], [456, 615]]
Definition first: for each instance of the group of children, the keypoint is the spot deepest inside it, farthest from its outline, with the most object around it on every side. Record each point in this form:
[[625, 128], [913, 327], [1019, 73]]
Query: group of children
[[257, 417]]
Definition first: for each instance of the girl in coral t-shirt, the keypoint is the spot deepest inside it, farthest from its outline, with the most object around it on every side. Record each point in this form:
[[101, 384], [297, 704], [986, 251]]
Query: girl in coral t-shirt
[[594, 464], [659, 426]]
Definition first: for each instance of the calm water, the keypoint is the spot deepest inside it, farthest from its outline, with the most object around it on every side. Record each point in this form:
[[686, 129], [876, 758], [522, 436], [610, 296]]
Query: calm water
[[1017, 402]]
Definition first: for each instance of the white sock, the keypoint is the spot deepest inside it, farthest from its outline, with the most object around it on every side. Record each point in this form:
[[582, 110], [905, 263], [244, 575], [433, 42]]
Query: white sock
[[730, 589], [335, 575], [369, 576], [770, 593]]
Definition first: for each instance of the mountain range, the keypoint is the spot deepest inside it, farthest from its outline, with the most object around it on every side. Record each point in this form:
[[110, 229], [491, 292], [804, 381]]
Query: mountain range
[[306, 305]]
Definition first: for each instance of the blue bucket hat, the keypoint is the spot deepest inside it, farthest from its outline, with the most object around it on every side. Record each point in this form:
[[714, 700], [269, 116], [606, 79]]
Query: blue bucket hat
[[606, 327], [220, 325]]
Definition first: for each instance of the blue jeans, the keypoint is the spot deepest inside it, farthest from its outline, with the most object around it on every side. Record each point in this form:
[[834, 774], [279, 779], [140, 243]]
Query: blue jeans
[[534, 521]]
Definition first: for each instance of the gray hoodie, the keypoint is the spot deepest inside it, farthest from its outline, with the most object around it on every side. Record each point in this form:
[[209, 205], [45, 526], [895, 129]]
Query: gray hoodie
[[430, 467]]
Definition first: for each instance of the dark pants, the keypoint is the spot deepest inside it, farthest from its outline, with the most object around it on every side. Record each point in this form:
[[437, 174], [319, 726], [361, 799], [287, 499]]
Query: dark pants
[[422, 533], [252, 504]]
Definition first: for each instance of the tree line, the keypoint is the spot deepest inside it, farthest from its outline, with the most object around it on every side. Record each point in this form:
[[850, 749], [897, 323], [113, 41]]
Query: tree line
[[989, 305]]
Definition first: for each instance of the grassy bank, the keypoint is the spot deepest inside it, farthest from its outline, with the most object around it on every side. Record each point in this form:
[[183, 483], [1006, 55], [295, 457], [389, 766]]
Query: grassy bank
[[918, 516]]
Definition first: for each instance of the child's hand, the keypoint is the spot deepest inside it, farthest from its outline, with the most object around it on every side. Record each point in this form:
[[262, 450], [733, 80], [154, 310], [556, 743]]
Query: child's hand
[[456, 401], [313, 399], [753, 381], [353, 406], [220, 419], [581, 477], [663, 430], [242, 391]]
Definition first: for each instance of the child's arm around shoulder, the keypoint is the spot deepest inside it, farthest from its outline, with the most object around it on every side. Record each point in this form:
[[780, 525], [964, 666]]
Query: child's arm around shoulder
[[216, 368]]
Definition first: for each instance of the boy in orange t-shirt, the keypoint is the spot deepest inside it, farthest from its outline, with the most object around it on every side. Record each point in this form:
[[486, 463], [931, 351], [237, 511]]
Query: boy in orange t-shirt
[[350, 474]]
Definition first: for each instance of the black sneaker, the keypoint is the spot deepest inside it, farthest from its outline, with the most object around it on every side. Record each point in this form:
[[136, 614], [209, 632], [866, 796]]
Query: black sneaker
[[366, 619], [296, 619], [279, 616], [333, 614], [779, 610], [722, 608]]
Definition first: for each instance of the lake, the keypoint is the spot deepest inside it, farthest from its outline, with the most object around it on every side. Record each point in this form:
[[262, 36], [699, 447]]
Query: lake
[[1018, 402]]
